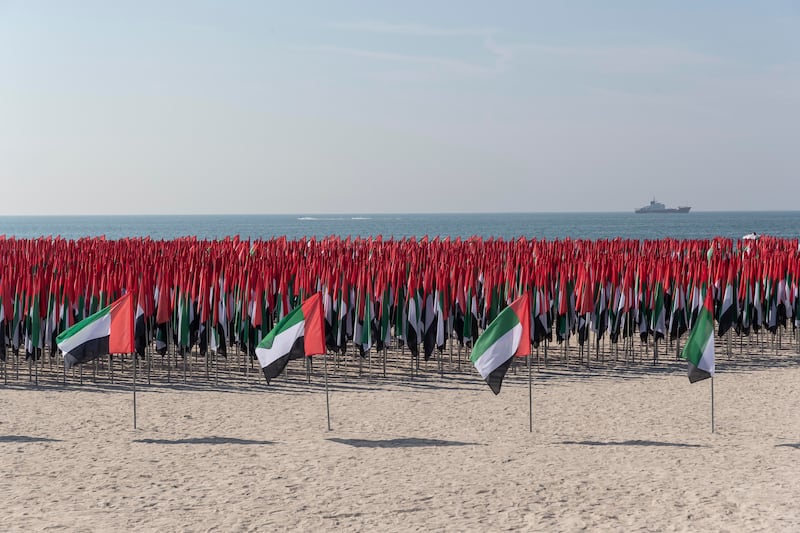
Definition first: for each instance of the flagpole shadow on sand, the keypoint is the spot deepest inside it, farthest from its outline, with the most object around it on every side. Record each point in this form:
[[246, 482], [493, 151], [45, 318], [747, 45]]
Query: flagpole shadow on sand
[[632, 443], [26, 438], [409, 442], [203, 440]]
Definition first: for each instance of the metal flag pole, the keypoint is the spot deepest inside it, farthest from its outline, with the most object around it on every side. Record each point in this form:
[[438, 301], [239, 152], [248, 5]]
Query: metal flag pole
[[712, 404], [530, 396], [655, 349], [209, 333], [134, 390], [148, 353], [168, 351], [327, 398]]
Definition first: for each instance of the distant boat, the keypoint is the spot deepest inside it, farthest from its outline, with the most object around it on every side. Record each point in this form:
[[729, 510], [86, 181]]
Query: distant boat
[[658, 207]]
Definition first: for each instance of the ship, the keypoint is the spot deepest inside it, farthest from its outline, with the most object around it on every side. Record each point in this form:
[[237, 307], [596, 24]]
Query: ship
[[658, 207]]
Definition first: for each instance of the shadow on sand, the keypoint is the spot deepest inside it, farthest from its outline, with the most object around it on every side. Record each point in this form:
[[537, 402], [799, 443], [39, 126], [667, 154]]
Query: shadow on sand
[[203, 440], [25, 438], [631, 443], [400, 443], [795, 445]]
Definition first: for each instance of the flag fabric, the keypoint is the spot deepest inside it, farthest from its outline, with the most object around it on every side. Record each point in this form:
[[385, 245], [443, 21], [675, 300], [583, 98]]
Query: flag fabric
[[658, 318], [2, 327], [299, 333], [139, 329], [414, 325], [33, 329], [728, 310], [429, 326], [508, 335], [699, 349], [109, 330]]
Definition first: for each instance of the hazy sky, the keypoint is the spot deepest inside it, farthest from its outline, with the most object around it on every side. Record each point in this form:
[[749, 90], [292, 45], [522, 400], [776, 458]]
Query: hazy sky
[[401, 106]]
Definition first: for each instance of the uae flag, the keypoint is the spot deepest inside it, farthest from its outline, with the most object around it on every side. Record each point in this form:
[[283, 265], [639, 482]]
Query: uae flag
[[414, 324], [508, 335], [300, 333], [728, 312], [699, 349], [139, 328], [109, 330]]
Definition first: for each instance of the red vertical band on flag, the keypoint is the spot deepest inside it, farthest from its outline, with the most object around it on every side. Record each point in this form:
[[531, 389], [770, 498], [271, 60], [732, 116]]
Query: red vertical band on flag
[[121, 339], [314, 335], [522, 308]]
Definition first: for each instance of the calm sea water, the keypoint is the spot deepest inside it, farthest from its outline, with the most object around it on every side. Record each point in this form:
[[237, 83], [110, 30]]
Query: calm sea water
[[505, 225]]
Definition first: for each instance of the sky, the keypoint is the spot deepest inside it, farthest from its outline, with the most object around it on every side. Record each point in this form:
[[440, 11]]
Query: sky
[[276, 107]]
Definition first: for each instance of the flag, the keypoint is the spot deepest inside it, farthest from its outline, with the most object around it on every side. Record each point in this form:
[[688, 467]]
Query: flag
[[33, 329], [363, 334], [299, 333], [728, 309], [139, 329], [699, 349], [414, 324], [2, 327], [508, 335], [109, 330], [429, 326], [658, 317], [677, 318]]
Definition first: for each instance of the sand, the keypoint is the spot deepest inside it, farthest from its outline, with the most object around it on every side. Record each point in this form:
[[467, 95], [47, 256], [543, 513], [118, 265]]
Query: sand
[[615, 448]]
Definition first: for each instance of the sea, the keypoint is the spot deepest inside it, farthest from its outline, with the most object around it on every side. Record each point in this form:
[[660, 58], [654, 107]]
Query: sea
[[550, 226]]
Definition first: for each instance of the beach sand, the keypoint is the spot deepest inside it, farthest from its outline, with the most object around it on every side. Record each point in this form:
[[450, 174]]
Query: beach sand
[[614, 448]]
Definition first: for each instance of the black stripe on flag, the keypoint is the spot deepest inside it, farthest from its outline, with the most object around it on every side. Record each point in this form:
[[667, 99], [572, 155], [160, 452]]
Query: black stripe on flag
[[88, 351]]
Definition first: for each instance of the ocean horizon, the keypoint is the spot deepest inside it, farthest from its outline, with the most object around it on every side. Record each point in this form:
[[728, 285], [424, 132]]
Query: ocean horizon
[[573, 225]]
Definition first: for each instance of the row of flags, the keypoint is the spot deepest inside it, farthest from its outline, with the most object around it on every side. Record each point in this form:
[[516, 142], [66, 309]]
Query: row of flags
[[111, 330], [505, 338], [301, 333], [216, 294]]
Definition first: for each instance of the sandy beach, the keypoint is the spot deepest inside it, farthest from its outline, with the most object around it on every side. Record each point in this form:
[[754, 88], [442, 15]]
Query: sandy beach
[[613, 448]]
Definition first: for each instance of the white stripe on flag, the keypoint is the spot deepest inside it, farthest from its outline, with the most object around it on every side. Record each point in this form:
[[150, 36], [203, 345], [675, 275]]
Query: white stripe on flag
[[499, 352]]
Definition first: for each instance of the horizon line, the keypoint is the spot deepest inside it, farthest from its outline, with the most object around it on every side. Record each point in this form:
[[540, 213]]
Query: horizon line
[[374, 214]]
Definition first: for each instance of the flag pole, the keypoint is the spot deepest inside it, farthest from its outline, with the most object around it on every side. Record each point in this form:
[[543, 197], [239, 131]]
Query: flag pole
[[148, 348], [712, 404], [327, 398], [168, 351], [134, 389], [530, 396]]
